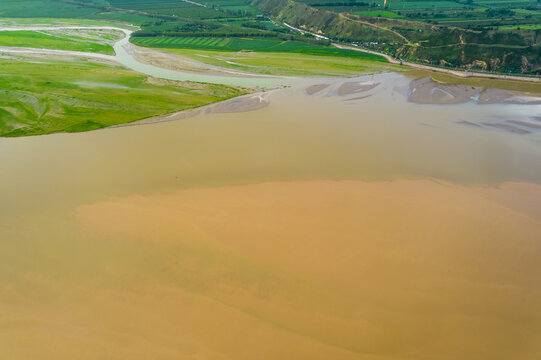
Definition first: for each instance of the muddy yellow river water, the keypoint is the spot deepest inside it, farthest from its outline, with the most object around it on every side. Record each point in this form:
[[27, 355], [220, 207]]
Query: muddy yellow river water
[[343, 222]]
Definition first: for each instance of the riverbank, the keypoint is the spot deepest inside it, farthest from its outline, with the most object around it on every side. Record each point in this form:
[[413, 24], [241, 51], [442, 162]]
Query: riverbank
[[463, 74], [43, 97]]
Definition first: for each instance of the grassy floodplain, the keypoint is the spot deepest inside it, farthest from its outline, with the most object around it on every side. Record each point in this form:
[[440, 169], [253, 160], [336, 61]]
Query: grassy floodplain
[[74, 9], [269, 56], [52, 40], [249, 44], [285, 63], [42, 8], [62, 22], [44, 98], [378, 13]]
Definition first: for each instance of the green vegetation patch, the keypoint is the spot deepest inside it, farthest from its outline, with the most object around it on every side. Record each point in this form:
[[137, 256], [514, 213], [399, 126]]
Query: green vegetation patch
[[40, 98], [34, 39], [61, 22], [382, 13], [247, 44], [523, 27], [289, 64], [43, 8]]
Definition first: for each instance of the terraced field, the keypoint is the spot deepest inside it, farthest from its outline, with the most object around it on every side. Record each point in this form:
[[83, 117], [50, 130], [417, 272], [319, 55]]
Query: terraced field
[[188, 42], [454, 13]]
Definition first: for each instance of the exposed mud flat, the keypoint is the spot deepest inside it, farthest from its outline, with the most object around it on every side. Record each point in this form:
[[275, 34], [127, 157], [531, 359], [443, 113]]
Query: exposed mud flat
[[177, 62], [499, 96], [185, 114], [428, 91], [241, 104], [166, 60], [314, 89], [353, 87], [245, 103]]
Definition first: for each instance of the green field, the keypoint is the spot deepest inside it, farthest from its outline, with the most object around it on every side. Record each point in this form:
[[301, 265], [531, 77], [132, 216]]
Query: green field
[[285, 63], [244, 44], [39, 98], [379, 13], [43, 8], [519, 27], [211, 8], [67, 10], [61, 22], [171, 8], [34, 39]]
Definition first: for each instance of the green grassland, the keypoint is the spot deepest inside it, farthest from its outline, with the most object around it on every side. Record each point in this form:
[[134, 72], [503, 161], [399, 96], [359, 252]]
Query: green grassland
[[379, 13], [210, 8], [246, 44], [13, 21], [38, 98], [521, 27], [66, 11], [171, 8], [43, 8], [34, 39], [285, 63]]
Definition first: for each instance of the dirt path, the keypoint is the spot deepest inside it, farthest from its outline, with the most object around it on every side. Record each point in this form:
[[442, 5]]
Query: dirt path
[[194, 3]]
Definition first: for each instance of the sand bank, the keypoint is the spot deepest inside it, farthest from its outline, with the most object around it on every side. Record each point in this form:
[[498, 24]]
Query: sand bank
[[176, 62], [500, 96], [354, 87], [314, 89], [428, 91], [240, 104]]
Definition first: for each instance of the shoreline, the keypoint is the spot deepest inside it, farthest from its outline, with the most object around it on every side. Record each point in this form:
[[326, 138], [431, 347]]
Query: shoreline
[[421, 90], [206, 109]]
